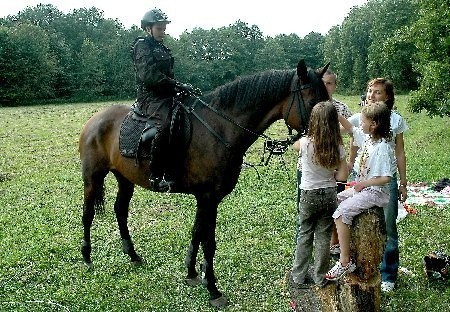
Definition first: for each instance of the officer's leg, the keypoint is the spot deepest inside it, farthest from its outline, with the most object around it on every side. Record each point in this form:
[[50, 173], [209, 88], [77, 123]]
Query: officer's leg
[[158, 165]]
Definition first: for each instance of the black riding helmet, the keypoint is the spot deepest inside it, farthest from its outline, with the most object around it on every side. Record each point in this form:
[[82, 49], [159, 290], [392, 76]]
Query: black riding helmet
[[153, 16]]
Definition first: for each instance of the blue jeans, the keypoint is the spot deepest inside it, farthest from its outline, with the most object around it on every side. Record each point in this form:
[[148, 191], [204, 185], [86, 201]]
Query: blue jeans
[[390, 263]]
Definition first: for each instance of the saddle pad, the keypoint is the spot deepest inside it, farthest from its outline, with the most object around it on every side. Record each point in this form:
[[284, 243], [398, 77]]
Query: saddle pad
[[130, 134]]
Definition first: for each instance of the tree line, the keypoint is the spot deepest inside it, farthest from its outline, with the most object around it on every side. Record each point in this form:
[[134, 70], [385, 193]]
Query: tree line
[[82, 56]]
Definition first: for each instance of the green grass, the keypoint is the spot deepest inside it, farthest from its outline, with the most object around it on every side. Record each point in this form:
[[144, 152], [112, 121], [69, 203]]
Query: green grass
[[41, 230]]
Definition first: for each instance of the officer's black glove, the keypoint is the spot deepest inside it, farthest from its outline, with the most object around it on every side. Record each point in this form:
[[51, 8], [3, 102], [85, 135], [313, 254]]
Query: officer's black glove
[[196, 91]]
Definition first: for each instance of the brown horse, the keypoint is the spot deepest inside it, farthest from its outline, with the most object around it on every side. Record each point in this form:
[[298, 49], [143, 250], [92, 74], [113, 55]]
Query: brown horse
[[224, 123]]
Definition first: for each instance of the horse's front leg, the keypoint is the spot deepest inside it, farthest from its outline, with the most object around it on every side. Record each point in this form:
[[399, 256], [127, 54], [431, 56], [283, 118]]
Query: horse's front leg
[[190, 261], [204, 232], [124, 194]]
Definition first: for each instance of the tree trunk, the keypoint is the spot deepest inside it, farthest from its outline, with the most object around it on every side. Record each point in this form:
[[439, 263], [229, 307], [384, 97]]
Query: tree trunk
[[360, 290]]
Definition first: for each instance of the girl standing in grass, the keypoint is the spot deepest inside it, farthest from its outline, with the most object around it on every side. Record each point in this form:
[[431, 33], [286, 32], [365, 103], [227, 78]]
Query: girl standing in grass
[[372, 181], [323, 161]]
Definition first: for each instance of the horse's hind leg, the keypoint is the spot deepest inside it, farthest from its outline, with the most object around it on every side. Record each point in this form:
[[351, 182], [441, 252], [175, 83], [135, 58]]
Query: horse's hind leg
[[124, 194], [88, 217], [93, 198]]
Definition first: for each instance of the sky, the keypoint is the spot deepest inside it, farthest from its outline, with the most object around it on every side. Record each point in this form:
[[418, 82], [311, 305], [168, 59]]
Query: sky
[[280, 17]]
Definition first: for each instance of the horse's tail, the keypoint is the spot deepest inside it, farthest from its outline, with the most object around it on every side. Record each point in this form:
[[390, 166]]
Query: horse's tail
[[94, 196], [99, 198]]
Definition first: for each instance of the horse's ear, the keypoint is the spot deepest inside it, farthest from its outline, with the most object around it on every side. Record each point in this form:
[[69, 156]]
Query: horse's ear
[[324, 70], [302, 70]]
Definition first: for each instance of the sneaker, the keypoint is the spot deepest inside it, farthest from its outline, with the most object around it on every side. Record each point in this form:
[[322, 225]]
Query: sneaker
[[323, 283], [387, 286], [335, 249], [339, 270], [293, 286]]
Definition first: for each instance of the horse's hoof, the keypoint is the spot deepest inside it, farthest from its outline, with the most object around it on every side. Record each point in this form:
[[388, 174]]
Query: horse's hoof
[[89, 265], [220, 302], [137, 263], [193, 281]]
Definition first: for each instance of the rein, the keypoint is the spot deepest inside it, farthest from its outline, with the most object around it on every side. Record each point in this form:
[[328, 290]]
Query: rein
[[275, 147], [221, 114], [296, 93]]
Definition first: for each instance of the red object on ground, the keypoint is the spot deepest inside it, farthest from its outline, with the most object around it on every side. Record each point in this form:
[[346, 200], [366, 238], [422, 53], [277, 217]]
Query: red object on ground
[[409, 209]]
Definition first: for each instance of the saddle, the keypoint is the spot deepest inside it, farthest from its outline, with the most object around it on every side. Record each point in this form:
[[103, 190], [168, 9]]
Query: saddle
[[134, 125]]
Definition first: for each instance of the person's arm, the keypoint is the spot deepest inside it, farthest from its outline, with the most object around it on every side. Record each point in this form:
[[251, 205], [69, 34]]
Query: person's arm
[[296, 146], [375, 181], [401, 166], [353, 149], [341, 173], [345, 123], [353, 152]]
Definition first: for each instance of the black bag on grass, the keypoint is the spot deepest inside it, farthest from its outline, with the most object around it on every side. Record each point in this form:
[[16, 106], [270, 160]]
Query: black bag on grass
[[437, 265]]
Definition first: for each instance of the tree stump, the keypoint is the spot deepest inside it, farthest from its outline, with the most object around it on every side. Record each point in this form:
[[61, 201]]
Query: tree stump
[[361, 290]]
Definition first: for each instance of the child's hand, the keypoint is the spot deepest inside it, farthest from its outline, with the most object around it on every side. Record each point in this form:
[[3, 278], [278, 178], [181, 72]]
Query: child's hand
[[359, 186]]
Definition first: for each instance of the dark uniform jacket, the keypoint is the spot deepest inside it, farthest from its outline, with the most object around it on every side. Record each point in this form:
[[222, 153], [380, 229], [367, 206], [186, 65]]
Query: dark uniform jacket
[[153, 63]]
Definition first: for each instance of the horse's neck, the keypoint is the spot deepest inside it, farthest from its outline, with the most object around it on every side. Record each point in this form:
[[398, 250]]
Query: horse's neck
[[259, 120]]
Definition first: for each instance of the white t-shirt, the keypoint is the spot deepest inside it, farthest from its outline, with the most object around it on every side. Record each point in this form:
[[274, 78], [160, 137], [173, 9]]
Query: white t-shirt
[[313, 175], [398, 125], [376, 158]]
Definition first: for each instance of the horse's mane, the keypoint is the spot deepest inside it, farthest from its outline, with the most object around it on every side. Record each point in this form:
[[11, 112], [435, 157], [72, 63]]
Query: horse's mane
[[266, 87]]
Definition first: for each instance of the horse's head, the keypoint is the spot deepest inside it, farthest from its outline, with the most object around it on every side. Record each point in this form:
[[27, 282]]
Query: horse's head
[[307, 90]]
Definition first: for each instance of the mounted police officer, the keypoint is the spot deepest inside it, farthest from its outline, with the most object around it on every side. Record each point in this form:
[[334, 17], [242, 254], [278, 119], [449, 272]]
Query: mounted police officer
[[156, 88]]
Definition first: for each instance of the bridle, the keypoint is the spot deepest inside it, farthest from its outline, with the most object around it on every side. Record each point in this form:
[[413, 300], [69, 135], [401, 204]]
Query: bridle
[[296, 91]]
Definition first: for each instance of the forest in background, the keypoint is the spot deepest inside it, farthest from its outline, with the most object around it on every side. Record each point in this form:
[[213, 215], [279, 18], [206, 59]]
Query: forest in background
[[49, 56]]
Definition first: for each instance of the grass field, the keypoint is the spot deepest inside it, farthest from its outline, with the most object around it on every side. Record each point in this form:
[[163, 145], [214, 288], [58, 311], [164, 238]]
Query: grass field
[[41, 230]]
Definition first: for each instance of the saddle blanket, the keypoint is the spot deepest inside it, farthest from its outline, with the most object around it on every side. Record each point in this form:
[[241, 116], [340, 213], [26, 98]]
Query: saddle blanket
[[130, 134]]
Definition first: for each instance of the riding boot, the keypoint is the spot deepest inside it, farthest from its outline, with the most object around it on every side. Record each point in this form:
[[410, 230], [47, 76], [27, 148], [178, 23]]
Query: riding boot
[[158, 182]]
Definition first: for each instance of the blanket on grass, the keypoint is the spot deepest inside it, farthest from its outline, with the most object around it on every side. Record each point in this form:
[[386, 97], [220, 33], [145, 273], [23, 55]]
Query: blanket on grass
[[425, 194]]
